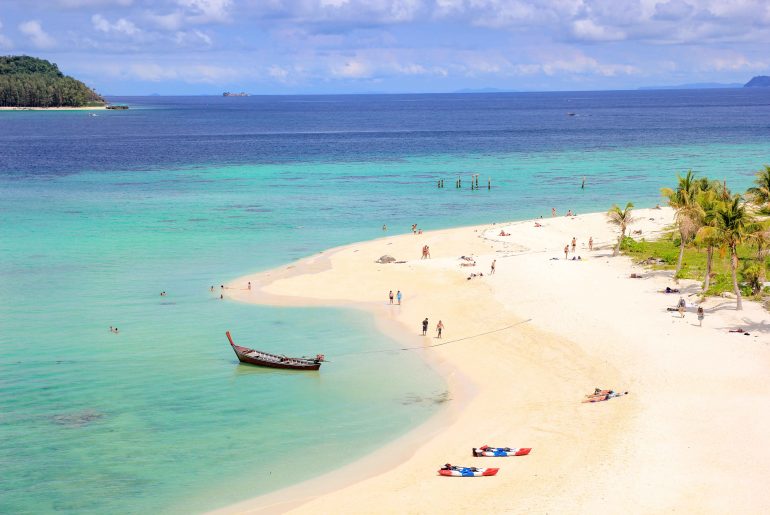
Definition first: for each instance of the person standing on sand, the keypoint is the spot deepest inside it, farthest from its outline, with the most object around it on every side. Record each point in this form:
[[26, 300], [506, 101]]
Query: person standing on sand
[[425, 326], [700, 316], [439, 328], [574, 244], [590, 243], [427, 252], [249, 284], [398, 297], [566, 250], [553, 211], [492, 270], [390, 296], [680, 306]]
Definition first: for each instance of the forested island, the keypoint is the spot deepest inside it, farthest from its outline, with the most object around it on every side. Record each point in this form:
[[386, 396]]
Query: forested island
[[30, 82], [760, 81]]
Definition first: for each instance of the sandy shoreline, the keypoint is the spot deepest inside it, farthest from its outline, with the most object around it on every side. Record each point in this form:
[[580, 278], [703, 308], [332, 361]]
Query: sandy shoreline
[[85, 108], [523, 346]]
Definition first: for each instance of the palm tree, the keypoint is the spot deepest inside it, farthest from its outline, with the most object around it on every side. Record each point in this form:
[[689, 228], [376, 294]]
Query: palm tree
[[688, 212], [707, 236], [732, 223], [759, 235], [760, 194], [622, 218]]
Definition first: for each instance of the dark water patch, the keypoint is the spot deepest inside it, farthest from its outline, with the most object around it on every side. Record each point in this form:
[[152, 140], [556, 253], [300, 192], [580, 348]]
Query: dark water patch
[[77, 418]]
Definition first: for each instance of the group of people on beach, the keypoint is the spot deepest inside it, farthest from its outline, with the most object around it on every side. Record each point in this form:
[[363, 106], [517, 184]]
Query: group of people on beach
[[398, 297], [415, 230], [569, 212], [573, 246], [439, 328]]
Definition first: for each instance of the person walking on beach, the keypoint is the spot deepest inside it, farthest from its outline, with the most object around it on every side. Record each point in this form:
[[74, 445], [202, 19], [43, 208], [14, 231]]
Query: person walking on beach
[[390, 296], [427, 252], [414, 228], [492, 268], [439, 328], [398, 297], [425, 326], [574, 244], [680, 307], [700, 316], [553, 211], [249, 284], [424, 251], [590, 243], [566, 250]]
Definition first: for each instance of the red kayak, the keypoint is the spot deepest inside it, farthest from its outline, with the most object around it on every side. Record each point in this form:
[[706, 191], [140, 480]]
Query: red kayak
[[451, 470], [486, 450]]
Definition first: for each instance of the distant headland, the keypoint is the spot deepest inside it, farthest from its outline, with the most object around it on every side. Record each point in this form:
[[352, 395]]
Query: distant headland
[[760, 81], [28, 82], [228, 94]]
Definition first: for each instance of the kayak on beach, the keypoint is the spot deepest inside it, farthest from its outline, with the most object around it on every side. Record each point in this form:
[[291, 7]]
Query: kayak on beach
[[486, 450], [452, 470]]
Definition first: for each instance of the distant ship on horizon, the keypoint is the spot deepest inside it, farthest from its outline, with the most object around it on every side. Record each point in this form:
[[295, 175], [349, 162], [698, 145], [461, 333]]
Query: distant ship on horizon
[[229, 94]]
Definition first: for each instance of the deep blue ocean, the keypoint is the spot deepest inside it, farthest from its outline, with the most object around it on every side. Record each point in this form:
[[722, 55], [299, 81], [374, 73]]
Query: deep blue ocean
[[98, 214]]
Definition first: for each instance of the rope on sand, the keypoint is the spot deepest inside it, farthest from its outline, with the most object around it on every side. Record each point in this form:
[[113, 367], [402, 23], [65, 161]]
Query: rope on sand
[[442, 343]]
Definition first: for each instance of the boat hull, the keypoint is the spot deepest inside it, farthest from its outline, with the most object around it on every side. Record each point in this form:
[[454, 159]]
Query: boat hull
[[468, 472], [500, 451], [265, 359]]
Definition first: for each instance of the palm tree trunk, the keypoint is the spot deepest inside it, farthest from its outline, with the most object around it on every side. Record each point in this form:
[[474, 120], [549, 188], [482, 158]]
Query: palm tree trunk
[[620, 240], [709, 257], [761, 260], [681, 255], [734, 268]]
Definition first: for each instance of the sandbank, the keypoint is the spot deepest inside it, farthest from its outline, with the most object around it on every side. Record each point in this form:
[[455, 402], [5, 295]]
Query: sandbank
[[522, 348]]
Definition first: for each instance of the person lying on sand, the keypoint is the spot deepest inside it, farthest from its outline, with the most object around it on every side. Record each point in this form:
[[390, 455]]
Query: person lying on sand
[[538, 225], [604, 397], [475, 275], [635, 276], [669, 290], [503, 233], [739, 330]]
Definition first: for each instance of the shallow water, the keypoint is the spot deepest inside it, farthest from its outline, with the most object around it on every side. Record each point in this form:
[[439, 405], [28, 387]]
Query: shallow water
[[100, 214]]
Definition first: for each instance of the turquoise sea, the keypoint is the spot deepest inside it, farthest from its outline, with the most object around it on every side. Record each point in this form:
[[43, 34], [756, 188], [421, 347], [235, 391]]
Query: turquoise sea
[[98, 214]]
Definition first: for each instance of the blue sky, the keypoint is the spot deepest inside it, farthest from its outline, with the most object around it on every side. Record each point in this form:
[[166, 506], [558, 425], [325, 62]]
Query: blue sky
[[353, 46]]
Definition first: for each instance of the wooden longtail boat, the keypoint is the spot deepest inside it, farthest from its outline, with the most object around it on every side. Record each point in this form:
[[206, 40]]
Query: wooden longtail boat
[[265, 359]]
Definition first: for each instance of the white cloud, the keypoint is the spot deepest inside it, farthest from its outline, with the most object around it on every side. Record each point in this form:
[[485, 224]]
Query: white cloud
[[351, 69], [192, 38], [34, 31], [93, 3], [588, 30], [170, 21], [121, 26], [207, 11], [190, 73]]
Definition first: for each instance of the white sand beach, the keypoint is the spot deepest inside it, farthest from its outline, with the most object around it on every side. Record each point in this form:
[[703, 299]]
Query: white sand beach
[[84, 108], [522, 347]]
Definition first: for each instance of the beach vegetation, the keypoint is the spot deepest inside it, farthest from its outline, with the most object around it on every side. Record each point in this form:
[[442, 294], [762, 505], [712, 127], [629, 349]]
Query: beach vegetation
[[622, 219], [759, 195], [30, 82], [689, 214]]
